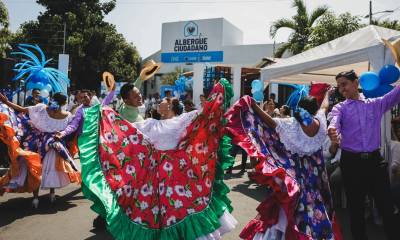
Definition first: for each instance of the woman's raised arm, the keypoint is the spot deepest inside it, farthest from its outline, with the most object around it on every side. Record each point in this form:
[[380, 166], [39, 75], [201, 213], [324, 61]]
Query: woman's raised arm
[[14, 106], [266, 118]]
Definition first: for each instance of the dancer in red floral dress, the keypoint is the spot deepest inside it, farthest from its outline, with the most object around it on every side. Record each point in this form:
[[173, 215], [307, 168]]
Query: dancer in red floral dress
[[158, 186]]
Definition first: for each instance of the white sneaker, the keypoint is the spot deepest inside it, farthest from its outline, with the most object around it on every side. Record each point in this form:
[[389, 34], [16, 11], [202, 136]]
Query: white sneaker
[[35, 203]]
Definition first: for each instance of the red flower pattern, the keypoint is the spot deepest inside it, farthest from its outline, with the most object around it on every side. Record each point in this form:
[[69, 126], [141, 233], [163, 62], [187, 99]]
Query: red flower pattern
[[159, 188]]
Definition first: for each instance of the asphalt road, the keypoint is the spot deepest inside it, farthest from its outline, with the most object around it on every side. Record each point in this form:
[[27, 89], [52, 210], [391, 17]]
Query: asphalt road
[[70, 217]]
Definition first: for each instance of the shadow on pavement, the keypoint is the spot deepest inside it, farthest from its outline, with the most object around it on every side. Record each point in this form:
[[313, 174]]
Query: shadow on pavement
[[100, 235], [251, 189], [17, 208]]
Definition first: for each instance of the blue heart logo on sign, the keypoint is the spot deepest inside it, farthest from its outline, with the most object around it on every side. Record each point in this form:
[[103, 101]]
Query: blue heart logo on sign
[[191, 29]]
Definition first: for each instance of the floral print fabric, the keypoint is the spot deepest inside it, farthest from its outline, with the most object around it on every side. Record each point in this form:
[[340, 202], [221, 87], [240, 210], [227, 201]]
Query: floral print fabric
[[159, 188], [298, 184], [30, 138]]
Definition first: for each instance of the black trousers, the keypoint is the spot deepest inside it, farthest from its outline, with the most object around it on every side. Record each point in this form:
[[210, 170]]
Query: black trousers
[[367, 173], [234, 151]]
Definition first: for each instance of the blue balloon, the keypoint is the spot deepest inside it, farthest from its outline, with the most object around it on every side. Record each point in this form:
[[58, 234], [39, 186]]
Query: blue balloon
[[257, 85], [369, 81], [389, 74], [258, 96], [30, 85], [38, 85], [40, 76], [378, 92]]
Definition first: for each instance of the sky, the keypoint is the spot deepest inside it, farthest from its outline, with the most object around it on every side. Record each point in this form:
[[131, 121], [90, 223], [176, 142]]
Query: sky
[[140, 20]]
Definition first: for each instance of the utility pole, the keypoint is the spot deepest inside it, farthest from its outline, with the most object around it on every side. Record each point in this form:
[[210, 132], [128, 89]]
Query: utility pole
[[370, 22], [273, 51], [65, 33], [370, 12]]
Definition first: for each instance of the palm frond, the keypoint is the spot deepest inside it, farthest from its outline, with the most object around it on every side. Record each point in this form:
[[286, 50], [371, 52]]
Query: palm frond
[[318, 12], [301, 7], [281, 23], [281, 50]]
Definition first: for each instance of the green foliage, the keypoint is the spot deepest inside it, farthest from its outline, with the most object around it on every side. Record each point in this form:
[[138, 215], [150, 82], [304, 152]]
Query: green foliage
[[330, 27], [169, 78], [302, 26], [392, 24], [4, 31], [94, 45]]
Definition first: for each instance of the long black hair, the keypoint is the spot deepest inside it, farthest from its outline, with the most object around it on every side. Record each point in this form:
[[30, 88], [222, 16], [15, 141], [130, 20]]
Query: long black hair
[[176, 107], [60, 98], [308, 103]]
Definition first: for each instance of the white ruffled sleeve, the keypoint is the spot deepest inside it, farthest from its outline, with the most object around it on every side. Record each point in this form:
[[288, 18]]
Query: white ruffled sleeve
[[295, 140], [41, 120], [165, 134], [36, 113]]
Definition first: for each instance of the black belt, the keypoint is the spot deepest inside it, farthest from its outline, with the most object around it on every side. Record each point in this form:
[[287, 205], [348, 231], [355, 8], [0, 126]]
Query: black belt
[[362, 155]]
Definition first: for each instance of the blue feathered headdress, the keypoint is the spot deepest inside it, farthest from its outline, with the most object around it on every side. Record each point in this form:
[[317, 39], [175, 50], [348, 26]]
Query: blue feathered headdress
[[299, 92], [34, 69], [302, 115]]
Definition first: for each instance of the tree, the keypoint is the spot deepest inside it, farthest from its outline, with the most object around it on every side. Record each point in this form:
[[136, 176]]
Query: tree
[[330, 27], [169, 78], [4, 31], [392, 24], [94, 45], [301, 24]]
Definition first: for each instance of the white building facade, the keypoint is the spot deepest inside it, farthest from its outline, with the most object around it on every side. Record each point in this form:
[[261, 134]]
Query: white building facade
[[197, 44]]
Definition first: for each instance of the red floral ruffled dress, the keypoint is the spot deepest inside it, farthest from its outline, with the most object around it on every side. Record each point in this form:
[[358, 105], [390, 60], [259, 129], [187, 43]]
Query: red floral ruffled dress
[[148, 193]]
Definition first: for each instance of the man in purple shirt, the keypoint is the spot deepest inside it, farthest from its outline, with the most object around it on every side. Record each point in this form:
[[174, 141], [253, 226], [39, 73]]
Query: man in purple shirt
[[77, 122], [75, 126], [355, 127]]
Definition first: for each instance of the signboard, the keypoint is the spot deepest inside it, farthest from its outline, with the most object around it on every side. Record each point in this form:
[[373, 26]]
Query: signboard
[[214, 56], [63, 62], [192, 41]]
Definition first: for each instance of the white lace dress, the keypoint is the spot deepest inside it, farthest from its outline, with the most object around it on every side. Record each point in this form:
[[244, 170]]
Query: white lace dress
[[165, 135], [40, 119]]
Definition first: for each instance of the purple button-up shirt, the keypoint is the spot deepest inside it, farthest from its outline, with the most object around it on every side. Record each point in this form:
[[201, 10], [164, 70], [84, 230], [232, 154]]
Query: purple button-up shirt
[[358, 121], [77, 121]]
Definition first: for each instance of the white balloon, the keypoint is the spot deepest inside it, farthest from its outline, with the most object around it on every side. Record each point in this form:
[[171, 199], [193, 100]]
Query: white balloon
[[44, 93]]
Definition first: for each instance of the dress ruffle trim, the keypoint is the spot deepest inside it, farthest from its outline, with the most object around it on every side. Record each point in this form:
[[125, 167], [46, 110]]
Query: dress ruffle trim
[[33, 162], [208, 224], [286, 188]]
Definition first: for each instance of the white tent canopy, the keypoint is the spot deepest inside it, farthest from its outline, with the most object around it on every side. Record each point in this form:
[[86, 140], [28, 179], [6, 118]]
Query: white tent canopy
[[322, 63]]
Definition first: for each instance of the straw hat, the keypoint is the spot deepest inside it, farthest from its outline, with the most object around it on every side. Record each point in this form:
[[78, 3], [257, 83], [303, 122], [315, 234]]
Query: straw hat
[[108, 80], [149, 69], [394, 48]]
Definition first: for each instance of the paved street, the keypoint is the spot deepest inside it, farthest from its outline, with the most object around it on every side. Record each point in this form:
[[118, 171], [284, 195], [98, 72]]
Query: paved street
[[71, 219]]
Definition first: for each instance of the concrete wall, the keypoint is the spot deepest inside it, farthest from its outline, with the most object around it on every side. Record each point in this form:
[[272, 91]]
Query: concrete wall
[[247, 55], [234, 56], [231, 35]]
